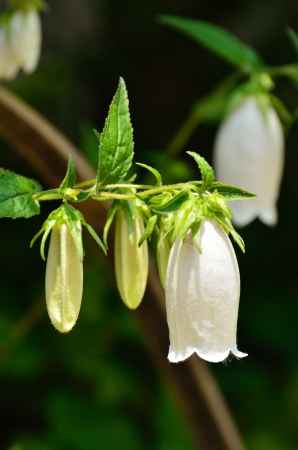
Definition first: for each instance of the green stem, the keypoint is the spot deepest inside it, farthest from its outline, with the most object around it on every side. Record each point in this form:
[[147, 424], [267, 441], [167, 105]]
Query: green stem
[[184, 133]]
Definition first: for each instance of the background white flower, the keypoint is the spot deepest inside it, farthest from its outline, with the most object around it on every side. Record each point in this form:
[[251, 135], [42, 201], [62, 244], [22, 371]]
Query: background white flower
[[202, 296], [249, 152]]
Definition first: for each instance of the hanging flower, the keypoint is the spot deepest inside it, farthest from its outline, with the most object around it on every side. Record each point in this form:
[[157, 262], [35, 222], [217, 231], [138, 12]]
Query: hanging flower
[[131, 260], [202, 296], [64, 278], [249, 151], [25, 39], [20, 43]]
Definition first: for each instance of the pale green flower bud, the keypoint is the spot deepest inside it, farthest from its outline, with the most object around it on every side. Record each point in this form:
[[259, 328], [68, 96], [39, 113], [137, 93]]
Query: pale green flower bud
[[162, 256], [64, 278], [131, 260]]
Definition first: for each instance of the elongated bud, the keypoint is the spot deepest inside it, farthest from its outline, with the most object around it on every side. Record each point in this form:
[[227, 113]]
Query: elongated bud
[[162, 256], [131, 260], [64, 279]]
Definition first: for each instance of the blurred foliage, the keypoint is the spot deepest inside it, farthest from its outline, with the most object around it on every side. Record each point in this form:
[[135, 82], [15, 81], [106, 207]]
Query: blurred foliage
[[97, 387]]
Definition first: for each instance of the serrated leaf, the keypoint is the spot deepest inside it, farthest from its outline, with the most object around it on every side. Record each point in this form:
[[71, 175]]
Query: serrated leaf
[[154, 172], [116, 141], [173, 204], [16, 195], [294, 38], [231, 192], [206, 170], [150, 225], [222, 42], [70, 177]]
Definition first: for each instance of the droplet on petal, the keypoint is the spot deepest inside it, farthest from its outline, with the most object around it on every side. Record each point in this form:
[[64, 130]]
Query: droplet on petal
[[64, 279], [249, 152], [202, 296]]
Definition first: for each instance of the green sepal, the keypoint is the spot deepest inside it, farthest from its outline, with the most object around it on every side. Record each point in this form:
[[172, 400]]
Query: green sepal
[[282, 111], [70, 177], [17, 196], [27, 5], [154, 172], [230, 192], [150, 225], [173, 204], [110, 219], [116, 145], [83, 196], [206, 170], [95, 236], [221, 42]]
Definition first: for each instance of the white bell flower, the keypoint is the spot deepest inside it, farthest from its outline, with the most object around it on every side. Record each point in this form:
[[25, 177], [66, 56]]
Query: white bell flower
[[64, 279], [249, 152], [25, 39], [202, 296], [8, 63]]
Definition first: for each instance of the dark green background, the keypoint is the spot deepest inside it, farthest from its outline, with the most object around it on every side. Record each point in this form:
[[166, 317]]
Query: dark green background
[[97, 388]]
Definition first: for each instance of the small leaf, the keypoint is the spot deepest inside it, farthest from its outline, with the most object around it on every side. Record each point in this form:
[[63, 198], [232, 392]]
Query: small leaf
[[154, 172], [110, 219], [231, 192], [294, 38], [238, 239], [173, 204], [222, 42], [70, 177], [205, 169], [148, 230], [116, 141], [95, 236], [16, 195]]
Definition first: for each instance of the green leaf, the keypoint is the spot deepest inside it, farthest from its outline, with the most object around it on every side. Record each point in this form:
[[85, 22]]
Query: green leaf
[[222, 42], [173, 204], [231, 192], [154, 172], [110, 219], [148, 230], [70, 177], [294, 38], [206, 170], [16, 195], [116, 141]]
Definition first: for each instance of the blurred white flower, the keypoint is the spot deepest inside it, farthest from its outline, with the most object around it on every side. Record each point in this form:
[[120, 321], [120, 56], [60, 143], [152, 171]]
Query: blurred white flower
[[20, 44], [249, 152], [64, 279], [25, 39], [202, 296]]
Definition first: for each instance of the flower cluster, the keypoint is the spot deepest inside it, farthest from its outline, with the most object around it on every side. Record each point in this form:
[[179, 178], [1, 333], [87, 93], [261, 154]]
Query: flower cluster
[[20, 42], [189, 222]]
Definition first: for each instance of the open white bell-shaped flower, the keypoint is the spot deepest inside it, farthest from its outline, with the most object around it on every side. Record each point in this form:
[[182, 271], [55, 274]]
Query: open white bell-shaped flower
[[25, 39], [64, 279], [8, 63], [249, 152], [202, 296]]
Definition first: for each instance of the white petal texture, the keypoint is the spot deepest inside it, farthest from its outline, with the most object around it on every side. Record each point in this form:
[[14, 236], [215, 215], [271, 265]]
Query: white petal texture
[[25, 39], [249, 152], [202, 296], [8, 63], [64, 279], [131, 261]]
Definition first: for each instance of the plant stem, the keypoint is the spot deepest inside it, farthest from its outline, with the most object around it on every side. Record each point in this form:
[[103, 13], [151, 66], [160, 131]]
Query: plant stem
[[184, 133]]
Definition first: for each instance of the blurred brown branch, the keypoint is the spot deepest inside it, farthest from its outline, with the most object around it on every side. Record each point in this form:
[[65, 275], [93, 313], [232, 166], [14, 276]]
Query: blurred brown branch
[[46, 150]]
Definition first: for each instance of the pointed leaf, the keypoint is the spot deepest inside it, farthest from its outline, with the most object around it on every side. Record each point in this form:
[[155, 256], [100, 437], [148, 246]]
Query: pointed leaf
[[206, 170], [172, 205], [231, 192], [148, 230], [70, 177], [116, 141], [222, 42], [154, 172]]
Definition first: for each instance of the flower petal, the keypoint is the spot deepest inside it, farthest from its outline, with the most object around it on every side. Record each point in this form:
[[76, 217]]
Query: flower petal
[[202, 296]]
